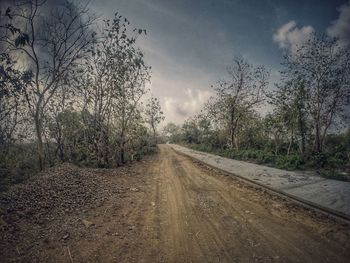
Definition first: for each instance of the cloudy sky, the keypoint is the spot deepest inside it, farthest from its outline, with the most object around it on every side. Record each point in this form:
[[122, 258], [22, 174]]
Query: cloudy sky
[[190, 43]]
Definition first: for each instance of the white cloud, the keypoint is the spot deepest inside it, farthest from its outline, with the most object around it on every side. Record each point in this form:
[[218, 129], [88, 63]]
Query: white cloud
[[341, 26], [289, 36], [178, 109]]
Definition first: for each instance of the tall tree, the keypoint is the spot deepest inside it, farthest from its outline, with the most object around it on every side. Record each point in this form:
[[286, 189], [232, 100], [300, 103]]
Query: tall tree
[[289, 101], [154, 115], [50, 47], [12, 83], [323, 66], [240, 93]]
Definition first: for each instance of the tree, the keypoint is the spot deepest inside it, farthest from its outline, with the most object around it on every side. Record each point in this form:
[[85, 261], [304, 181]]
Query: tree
[[113, 86], [171, 132], [239, 94], [130, 74], [274, 130], [12, 83], [51, 48], [154, 114], [323, 68], [289, 101], [191, 131]]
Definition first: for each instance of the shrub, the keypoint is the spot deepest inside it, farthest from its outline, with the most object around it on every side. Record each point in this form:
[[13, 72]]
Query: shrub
[[289, 162]]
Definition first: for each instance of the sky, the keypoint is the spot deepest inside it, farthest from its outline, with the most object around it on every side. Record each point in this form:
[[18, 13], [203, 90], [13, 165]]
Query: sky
[[189, 43]]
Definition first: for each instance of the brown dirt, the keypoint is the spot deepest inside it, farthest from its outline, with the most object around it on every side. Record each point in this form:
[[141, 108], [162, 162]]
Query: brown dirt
[[168, 208]]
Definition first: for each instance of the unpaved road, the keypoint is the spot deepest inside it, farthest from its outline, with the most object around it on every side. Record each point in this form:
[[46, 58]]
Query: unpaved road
[[177, 210]]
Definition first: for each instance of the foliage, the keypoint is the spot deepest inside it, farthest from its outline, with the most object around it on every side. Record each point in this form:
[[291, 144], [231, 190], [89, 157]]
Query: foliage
[[154, 115], [75, 95], [236, 96]]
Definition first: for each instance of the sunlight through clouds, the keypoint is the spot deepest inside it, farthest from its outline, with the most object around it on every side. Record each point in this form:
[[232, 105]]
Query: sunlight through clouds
[[178, 109]]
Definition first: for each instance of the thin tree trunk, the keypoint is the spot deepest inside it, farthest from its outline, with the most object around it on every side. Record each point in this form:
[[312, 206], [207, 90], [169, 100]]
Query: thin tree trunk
[[232, 136], [290, 145], [318, 147], [40, 147]]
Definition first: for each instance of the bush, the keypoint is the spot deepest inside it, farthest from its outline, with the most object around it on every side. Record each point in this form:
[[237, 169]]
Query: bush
[[146, 150], [17, 165], [202, 148], [323, 160], [289, 162]]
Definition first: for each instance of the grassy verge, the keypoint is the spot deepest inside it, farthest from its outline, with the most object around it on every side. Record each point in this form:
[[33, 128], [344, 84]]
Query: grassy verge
[[326, 166]]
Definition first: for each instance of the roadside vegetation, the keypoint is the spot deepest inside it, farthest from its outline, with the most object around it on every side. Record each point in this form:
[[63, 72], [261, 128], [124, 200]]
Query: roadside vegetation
[[72, 89], [307, 126]]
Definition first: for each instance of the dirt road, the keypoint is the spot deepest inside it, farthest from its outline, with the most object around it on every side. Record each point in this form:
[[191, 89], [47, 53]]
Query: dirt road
[[177, 210], [201, 216]]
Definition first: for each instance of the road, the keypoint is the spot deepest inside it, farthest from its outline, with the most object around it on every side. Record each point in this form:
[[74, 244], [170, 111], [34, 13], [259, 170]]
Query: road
[[202, 216], [169, 208], [328, 194]]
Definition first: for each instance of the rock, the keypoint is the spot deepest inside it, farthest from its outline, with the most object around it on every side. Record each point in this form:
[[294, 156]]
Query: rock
[[87, 223]]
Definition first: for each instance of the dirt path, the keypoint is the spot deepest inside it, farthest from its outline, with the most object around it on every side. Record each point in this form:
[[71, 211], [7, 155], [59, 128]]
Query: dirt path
[[176, 210], [206, 217]]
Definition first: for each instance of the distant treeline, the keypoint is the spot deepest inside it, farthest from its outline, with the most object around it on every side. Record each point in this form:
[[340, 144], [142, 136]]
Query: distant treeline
[[72, 88], [307, 126]]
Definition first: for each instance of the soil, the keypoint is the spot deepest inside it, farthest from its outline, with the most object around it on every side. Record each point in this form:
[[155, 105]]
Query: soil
[[165, 208]]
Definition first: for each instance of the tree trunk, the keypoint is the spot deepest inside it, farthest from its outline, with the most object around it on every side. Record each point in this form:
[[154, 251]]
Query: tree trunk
[[302, 135], [276, 145], [236, 143], [232, 137], [60, 146], [289, 145], [38, 132], [318, 147], [154, 135], [121, 157], [122, 153]]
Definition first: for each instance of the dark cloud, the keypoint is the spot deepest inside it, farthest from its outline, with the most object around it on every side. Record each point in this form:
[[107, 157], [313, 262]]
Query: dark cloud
[[190, 43]]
